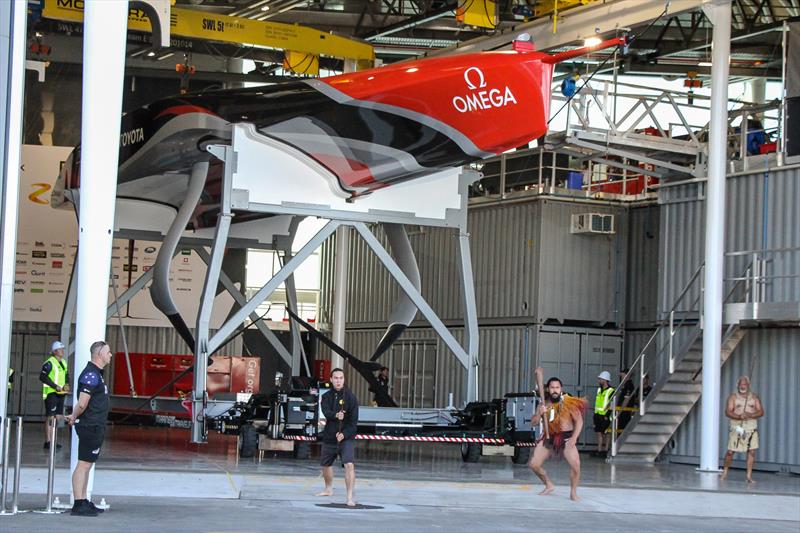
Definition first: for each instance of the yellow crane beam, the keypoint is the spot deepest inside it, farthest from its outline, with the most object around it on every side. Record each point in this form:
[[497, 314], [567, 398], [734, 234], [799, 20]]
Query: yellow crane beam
[[227, 29]]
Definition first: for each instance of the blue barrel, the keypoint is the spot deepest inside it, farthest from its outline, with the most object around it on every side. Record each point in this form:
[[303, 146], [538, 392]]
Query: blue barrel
[[574, 180]]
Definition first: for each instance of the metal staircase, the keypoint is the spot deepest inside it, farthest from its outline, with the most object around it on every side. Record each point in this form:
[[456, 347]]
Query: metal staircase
[[670, 402], [678, 389]]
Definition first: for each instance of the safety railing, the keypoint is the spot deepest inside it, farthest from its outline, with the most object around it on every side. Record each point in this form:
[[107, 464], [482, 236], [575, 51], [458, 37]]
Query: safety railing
[[604, 114], [677, 318], [6, 449], [53, 506]]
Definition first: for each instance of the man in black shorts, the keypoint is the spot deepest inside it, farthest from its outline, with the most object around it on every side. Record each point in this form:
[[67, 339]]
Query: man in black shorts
[[340, 409], [55, 386], [89, 419], [602, 411]]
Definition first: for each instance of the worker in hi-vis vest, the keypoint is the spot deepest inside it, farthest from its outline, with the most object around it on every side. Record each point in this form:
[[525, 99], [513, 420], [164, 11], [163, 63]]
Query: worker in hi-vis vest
[[10, 388], [602, 410], [55, 380]]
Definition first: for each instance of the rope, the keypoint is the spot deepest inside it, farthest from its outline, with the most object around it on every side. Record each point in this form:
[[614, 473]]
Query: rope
[[612, 54]]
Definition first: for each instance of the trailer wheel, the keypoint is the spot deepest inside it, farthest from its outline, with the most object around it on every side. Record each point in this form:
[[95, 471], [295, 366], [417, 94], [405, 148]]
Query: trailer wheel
[[249, 441], [471, 452], [521, 455], [302, 450]]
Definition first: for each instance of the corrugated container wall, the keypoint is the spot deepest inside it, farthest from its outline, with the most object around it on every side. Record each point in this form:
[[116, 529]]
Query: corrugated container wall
[[761, 213], [503, 352], [527, 267], [775, 358], [581, 276], [635, 341], [754, 221], [642, 272]]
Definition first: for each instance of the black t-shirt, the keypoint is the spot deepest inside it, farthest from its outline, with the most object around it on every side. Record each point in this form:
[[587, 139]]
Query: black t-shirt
[[330, 406], [627, 388], [92, 383]]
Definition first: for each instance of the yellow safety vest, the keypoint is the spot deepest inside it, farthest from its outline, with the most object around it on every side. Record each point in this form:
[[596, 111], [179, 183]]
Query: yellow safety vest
[[58, 375], [601, 401]]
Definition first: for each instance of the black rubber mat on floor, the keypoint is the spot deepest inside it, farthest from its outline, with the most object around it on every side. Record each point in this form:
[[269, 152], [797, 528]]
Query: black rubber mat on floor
[[344, 506]]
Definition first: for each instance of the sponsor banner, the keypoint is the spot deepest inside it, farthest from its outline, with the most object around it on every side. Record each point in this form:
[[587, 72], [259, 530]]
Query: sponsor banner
[[47, 245]]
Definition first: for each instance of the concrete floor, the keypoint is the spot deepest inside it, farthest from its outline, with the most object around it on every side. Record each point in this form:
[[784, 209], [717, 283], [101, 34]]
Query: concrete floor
[[155, 480]]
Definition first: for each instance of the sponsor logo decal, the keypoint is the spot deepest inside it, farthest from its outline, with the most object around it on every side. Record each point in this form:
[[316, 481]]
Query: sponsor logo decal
[[35, 272], [39, 244], [58, 264], [131, 137], [56, 254], [480, 97], [35, 309], [39, 254], [150, 250], [38, 190], [21, 262], [37, 291]]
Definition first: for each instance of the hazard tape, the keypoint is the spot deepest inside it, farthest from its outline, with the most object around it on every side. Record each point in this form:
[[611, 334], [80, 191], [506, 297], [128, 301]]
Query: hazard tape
[[470, 440], [457, 440]]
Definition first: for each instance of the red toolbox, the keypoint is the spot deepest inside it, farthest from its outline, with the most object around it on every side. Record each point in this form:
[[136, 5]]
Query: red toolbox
[[153, 371]]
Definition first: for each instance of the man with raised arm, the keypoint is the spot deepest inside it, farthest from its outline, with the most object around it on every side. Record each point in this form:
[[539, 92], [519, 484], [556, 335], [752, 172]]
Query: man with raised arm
[[563, 417]]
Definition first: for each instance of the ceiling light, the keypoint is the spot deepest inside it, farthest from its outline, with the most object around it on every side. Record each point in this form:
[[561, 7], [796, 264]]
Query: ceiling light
[[704, 64], [592, 41], [265, 8], [151, 54]]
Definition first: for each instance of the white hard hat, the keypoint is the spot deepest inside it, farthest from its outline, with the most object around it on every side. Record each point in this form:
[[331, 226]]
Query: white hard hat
[[57, 345], [605, 375]]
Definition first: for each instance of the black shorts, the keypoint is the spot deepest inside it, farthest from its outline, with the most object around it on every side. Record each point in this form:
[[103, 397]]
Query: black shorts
[[54, 404], [90, 439], [347, 449], [601, 423]]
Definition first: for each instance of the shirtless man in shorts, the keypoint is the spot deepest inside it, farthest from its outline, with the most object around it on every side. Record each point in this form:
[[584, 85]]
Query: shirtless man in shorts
[[744, 409], [564, 416]]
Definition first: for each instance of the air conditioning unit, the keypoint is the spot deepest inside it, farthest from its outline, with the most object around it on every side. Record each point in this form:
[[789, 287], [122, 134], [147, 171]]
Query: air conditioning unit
[[593, 223]]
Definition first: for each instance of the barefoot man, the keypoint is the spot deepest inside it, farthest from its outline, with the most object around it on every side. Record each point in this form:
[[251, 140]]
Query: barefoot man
[[563, 415], [744, 409], [340, 408]]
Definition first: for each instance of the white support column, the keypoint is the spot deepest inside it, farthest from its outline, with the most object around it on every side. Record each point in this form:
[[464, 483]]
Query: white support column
[[340, 291], [719, 13], [12, 65], [105, 30]]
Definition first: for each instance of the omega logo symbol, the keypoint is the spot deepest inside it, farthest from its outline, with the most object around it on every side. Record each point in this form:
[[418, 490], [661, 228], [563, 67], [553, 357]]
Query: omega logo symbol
[[479, 97], [478, 77]]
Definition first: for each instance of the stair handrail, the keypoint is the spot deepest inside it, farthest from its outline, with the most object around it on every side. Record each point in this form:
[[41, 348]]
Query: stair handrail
[[640, 360]]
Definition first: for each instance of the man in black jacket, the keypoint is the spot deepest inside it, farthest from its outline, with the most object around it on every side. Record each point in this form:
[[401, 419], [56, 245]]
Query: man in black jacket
[[340, 409]]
